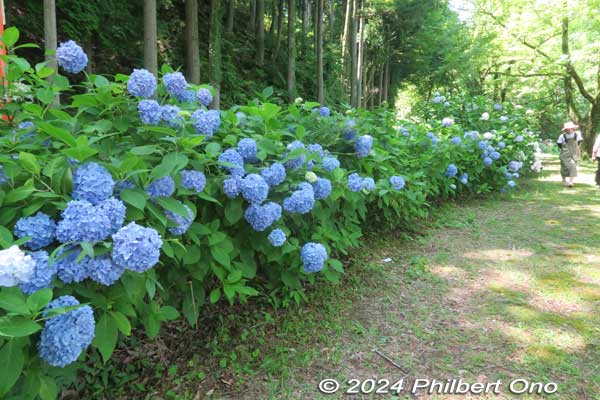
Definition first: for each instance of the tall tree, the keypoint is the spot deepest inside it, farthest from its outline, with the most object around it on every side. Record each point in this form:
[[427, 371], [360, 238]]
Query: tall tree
[[252, 16], [260, 32], [150, 37], [230, 16], [192, 42], [353, 52], [214, 51], [319, 37], [291, 70], [279, 29], [50, 40]]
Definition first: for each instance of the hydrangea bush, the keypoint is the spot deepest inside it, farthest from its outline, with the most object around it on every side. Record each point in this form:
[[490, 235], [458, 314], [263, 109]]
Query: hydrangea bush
[[132, 204]]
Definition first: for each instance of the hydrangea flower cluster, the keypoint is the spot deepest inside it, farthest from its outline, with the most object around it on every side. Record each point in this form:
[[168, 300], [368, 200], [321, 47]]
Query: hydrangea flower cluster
[[92, 183], [103, 270], [368, 184], [349, 130], [68, 268], [301, 201], [464, 178], [204, 96], [136, 248], [67, 335], [187, 96], [161, 187], [330, 164], [247, 148], [432, 137], [232, 186], [175, 83], [193, 180], [82, 221], [324, 111], [170, 114], [451, 171], [297, 162], [182, 223], [274, 175], [355, 182], [456, 140], [485, 116], [16, 267], [206, 122], [487, 161], [322, 188], [397, 182], [150, 112], [447, 122], [313, 256], [71, 57], [43, 273], [142, 83], [231, 156], [503, 118], [277, 237], [40, 228], [363, 145], [254, 188], [260, 217]]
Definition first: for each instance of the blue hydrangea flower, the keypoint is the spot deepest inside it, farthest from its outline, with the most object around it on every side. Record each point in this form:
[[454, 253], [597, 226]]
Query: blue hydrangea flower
[[315, 148], [503, 118], [355, 182], [40, 227], [515, 175], [297, 162], [206, 122], [43, 273], [456, 140], [464, 178], [487, 161], [193, 180], [175, 83], [204, 96], [447, 122], [498, 107], [397, 182], [82, 221], [187, 96], [120, 185], [66, 336], [490, 149], [260, 217], [161, 187], [92, 183], [432, 137], [232, 186], [495, 155], [68, 268], [501, 145], [136, 248], [484, 154], [231, 156], [274, 175], [519, 139], [324, 112], [368, 184], [514, 166], [241, 118], [482, 145], [301, 201], [330, 164], [142, 83], [313, 256], [103, 270], [149, 111], [363, 145], [182, 224], [349, 130], [511, 183], [115, 210], [254, 188], [277, 237], [247, 148], [72, 162], [322, 188], [27, 125], [170, 114], [451, 171], [71, 57]]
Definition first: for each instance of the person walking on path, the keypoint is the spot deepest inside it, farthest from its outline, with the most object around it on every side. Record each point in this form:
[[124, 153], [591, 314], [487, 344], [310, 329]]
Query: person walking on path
[[568, 142], [596, 157]]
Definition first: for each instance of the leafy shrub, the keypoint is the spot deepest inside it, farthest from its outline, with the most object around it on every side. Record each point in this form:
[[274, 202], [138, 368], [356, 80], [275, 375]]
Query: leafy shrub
[[144, 208]]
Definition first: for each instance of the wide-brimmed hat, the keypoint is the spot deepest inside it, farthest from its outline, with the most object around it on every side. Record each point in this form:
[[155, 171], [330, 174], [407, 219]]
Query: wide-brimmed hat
[[569, 125]]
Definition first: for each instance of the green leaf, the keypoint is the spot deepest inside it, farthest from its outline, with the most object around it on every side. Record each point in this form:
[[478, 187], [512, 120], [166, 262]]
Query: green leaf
[[17, 326], [168, 313], [18, 194], [173, 205], [229, 291], [44, 95], [269, 111], [215, 295], [88, 249], [11, 365], [39, 299], [10, 36], [58, 133], [122, 322], [234, 277], [80, 153], [234, 211], [29, 162], [213, 149], [105, 339], [48, 390], [133, 197], [145, 150], [6, 237], [221, 256], [13, 301]]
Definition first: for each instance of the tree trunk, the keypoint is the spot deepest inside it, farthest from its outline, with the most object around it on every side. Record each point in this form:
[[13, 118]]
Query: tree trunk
[[192, 42], [150, 37], [291, 72], [353, 48], [304, 18], [50, 40], [214, 51], [360, 61], [332, 21], [260, 32], [252, 17], [279, 29], [230, 16], [319, 36], [345, 38], [89, 50], [386, 80], [380, 86]]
